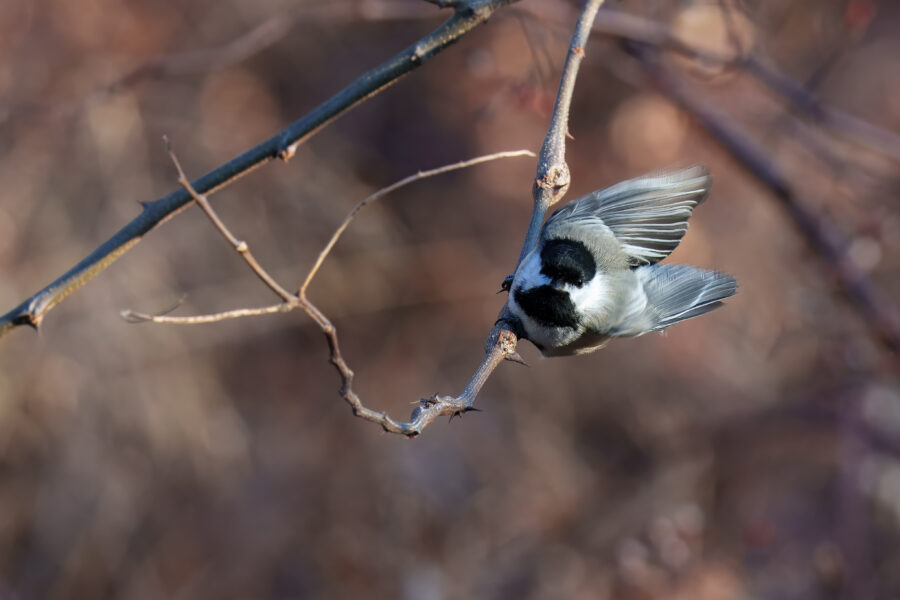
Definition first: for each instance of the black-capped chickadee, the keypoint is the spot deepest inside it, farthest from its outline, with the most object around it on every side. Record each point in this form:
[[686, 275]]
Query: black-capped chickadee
[[593, 274]]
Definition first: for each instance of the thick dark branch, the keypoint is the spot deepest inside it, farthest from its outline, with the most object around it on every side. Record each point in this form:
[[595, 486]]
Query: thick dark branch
[[468, 15], [825, 238]]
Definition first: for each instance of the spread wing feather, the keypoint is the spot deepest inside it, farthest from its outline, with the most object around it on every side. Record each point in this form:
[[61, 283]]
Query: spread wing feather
[[647, 215]]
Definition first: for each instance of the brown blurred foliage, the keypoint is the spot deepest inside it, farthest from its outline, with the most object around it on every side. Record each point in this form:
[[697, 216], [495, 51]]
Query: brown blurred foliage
[[750, 453]]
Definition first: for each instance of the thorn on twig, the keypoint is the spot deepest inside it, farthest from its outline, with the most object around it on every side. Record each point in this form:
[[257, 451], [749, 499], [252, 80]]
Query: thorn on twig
[[517, 358], [463, 411], [431, 401]]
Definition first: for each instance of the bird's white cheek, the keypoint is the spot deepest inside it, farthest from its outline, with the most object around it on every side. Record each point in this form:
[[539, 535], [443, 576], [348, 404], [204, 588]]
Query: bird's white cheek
[[594, 298]]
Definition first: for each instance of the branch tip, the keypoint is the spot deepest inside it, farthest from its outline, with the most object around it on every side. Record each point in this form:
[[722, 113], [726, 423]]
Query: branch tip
[[517, 358]]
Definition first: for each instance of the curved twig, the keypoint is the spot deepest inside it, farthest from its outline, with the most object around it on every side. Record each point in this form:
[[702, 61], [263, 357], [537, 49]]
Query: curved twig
[[551, 180], [551, 184], [429, 408], [385, 191]]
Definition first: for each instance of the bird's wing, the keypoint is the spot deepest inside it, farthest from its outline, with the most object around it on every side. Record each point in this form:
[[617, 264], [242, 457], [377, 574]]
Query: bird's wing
[[647, 215]]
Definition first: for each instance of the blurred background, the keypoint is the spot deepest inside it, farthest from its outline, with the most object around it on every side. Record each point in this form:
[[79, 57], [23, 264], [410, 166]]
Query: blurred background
[[752, 453]]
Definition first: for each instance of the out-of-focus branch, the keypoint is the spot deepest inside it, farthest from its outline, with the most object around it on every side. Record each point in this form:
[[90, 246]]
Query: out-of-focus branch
[[645, 31], [430, 408], [206, 60], [263, 36], [468, 15], [859, 131], [853, 128], [826, 239]]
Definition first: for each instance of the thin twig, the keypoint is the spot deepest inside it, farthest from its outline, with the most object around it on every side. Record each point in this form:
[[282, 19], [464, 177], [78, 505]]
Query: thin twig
[[239, 246], [468, 15], [429, 408], [550, 185], [830, 244], [552, 180], [391, 188], [138, 317]]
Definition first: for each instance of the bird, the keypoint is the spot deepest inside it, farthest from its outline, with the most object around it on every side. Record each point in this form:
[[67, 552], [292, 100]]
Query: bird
[[593, 274]]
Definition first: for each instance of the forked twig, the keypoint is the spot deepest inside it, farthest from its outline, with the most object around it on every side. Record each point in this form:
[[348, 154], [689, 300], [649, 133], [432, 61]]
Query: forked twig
[[239, 246], [429, 408], [550, 185]]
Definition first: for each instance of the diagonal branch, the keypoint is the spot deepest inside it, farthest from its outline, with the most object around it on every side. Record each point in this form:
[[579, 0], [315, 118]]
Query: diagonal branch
[[645, 31], [880, 314], [634, 28], [468, 15]]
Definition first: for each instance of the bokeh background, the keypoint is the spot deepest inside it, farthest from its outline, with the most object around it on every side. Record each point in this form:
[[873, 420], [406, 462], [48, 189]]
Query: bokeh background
[[753, 453]]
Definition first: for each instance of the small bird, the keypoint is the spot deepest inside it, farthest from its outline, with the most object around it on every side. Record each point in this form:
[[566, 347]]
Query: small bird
[[593, 274]]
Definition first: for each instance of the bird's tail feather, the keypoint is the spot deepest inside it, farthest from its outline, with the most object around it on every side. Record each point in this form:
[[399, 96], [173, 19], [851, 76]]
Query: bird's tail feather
[[679, 292]]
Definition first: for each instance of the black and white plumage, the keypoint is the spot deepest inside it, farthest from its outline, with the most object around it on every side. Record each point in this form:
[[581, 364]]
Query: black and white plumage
[[593, 275]]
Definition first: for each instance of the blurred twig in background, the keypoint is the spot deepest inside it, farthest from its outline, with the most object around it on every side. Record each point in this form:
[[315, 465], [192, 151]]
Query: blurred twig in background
[[239, 49], [638, 29], [825, 238]]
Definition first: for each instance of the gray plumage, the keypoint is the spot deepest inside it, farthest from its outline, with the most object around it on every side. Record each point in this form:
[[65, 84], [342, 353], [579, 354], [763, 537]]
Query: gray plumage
[[593, 274]]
